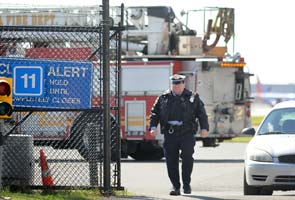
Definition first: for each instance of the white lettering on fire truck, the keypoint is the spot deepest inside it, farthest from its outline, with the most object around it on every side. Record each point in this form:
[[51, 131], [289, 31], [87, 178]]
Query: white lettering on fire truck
[[33, 19]]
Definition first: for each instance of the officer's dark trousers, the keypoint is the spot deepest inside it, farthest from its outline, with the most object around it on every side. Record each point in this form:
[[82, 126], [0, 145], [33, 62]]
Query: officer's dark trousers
[[173, 145]]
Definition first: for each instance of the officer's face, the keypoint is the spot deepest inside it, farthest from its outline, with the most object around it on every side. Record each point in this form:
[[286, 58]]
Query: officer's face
[[178, 88]]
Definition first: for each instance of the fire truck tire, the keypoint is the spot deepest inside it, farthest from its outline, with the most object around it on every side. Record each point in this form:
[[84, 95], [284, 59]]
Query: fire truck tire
[[147, 156], [142, 153], [87, 137], [209, 142]]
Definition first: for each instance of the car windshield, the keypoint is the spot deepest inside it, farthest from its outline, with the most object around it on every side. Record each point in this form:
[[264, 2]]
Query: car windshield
[[280, 121]]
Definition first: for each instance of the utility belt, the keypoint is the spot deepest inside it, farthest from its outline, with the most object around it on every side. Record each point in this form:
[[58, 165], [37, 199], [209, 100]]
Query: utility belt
[[174, 128], [177, 129]]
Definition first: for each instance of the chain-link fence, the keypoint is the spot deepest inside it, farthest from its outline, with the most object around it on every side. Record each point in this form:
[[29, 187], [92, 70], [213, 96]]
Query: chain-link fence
[[58, 100]]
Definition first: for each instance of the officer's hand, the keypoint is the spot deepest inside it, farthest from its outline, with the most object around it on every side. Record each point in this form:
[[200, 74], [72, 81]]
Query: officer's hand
[[204, 133], [153, 132]]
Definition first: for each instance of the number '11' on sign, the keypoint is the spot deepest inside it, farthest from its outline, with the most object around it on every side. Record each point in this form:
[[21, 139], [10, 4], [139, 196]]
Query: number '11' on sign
[[26, 78]]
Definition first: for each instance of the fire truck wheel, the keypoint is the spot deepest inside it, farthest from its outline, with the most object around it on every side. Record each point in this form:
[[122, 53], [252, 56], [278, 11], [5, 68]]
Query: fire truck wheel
[[209, 142], [87, 136], [151, 154]]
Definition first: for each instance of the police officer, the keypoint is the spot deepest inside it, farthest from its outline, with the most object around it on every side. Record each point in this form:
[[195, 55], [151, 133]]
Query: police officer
[[177, 110]]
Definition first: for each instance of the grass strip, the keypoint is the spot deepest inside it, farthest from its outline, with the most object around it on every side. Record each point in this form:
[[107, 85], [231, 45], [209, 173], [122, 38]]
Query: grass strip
[[58, 195]]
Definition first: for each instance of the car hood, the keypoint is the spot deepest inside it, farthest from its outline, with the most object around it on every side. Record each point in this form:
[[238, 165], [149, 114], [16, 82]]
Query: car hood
[[276, 145]]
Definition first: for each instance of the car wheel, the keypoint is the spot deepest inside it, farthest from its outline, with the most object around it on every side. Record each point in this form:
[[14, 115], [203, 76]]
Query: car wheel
[[250, 190]]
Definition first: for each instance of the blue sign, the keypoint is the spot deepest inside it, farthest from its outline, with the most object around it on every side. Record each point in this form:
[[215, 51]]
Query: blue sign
[[48, 83]]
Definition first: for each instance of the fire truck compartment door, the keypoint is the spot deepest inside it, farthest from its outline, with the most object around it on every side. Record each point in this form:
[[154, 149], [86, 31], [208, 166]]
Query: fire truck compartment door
[[217, 85], [150, 79], [135, 116]]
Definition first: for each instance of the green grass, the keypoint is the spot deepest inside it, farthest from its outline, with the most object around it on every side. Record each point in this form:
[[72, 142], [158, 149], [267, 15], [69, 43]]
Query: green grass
[[256, 120], [244, 139], [59, 195]]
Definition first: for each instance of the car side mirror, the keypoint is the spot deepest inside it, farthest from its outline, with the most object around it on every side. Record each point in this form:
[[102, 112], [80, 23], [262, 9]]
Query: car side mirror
[[248, 131]]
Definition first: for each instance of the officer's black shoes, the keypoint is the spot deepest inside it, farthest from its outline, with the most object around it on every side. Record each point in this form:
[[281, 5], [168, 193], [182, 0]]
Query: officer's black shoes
[[175, 192], [187, 189]]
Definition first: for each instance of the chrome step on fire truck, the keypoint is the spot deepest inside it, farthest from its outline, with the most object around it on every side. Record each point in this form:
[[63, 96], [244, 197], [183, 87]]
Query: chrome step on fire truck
[[157, 45]]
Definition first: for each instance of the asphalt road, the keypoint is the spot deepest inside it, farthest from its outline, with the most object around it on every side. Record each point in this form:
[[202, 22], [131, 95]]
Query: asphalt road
[[217, 174]]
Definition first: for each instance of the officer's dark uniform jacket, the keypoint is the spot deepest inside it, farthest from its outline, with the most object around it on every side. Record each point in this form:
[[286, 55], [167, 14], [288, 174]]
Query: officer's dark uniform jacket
[[186, 108]]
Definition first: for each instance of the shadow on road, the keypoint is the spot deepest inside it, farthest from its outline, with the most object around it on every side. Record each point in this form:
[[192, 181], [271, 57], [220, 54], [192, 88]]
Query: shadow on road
[[155, 198], [196, 161], [152, 161], [204, 197], [140, 197], [219, 161]]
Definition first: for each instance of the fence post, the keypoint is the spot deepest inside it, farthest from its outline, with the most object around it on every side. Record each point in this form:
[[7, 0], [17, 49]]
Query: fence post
[[119, 83], [106, 99]]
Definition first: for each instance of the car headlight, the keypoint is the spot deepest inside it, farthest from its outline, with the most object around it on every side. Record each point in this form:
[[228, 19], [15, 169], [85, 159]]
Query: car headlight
[[260, 155]]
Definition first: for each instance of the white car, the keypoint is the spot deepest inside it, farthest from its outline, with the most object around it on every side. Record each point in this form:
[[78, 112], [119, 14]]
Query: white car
[[270, 155]]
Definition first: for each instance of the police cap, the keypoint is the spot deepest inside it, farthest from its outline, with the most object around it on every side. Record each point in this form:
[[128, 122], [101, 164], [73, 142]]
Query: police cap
[[177, 78]]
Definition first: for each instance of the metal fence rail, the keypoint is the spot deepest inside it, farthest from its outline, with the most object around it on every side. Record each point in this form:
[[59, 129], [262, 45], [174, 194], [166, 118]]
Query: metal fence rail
[[67, 121]]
